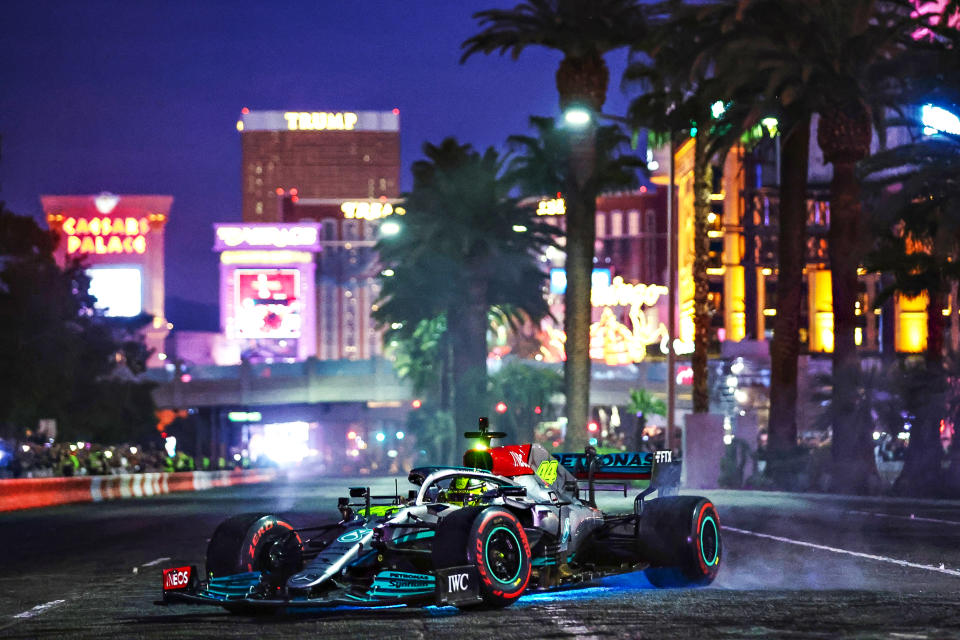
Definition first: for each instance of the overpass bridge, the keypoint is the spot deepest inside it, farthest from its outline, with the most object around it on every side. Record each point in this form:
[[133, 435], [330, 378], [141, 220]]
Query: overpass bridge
[[362, 381]]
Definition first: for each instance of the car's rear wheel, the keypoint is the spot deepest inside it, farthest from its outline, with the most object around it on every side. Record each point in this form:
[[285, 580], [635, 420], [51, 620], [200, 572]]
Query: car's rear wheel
[[681, 535], [497, 546], [254, 542]]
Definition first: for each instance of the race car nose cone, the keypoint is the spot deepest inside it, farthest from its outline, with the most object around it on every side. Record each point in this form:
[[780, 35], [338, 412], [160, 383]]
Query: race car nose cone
[[304, 578]]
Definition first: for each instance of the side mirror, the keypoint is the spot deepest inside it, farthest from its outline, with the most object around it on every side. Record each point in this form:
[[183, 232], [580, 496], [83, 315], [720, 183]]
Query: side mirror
[[358, 492], [571, 486], [513, 491]]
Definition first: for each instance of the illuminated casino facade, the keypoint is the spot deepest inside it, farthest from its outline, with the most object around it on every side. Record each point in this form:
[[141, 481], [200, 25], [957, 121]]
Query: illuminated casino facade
[[743, 258], [345, 155], [628, 292], [120, 239], [299, 277]]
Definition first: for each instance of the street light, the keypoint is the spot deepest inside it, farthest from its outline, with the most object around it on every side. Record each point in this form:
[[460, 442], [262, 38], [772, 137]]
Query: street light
[[389, 228], [577, 116]]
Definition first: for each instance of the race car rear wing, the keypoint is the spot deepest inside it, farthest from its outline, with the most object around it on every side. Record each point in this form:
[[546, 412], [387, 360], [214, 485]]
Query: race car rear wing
[[656, 466]]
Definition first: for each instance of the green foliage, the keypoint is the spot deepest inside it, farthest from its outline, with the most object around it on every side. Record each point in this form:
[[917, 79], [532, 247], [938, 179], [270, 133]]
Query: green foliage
[[61, 359], [644, 402], [458, 229], [433, 428], [578, 29], [420, 356], [541, 162], [466, 246], [913, 194], [523, 388]]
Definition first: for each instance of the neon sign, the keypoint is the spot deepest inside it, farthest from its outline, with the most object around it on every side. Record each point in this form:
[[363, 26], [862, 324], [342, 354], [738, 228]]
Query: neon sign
[[101, 236], [369, 210], [266, 257], [320, 120], [280, 236], [612, 341], [555, 207]]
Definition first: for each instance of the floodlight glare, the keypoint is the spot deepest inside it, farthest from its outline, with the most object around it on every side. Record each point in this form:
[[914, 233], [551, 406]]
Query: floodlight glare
[[938, 120]]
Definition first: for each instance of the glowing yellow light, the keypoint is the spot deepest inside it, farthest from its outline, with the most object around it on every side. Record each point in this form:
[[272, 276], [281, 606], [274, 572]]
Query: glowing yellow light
[[320, 120], [716, 271], [769, 312], [265, 257], [479, 447], [766, 271], [239, 125], [367, 210], [858, 336], [821, 311], [555, 207], [911, 326], [610, 340]]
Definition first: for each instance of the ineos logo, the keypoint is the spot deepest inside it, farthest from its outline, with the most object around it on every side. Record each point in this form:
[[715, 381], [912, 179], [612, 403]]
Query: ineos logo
[[176, 578], [458, 582]]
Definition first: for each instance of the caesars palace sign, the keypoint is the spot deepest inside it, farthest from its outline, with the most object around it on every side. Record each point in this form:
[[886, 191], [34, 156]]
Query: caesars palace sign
[[106, 235]]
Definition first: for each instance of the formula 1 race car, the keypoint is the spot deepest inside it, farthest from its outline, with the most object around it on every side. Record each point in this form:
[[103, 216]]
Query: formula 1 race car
[[511, 521]]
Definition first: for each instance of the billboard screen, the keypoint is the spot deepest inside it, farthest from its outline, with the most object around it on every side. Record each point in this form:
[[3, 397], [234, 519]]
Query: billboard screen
[[558, 280], [267, 303], [118, 290]]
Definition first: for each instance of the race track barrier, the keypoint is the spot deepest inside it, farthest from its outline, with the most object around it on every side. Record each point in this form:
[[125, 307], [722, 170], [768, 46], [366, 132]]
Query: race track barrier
[[30, 493]]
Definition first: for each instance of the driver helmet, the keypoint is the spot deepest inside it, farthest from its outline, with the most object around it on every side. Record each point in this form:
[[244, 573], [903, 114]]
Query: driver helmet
[[466, 490]]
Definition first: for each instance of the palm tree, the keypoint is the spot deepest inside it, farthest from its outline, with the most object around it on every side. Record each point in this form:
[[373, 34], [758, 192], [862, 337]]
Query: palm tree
[[466, 245], [583, 32], [675, 102], [540, 167], [914, 196], [848, 61]]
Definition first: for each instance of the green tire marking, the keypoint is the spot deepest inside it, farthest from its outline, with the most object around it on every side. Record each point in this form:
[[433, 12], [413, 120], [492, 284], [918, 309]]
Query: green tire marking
[[716, 546], [486, 552]]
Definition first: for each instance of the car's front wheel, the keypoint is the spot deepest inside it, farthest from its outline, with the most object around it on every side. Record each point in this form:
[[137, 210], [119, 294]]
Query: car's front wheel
[[254, 542], [497, 546]]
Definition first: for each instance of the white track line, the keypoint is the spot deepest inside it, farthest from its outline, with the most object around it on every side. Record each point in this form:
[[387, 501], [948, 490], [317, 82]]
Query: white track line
[[154, 562], [868, 556], [40, 608], [911, 517]]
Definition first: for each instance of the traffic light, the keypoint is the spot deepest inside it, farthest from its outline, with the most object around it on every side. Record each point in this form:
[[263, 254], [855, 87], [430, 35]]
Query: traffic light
[[592, 427]]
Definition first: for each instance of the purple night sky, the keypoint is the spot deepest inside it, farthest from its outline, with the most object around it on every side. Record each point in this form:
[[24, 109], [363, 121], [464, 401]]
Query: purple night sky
[[143, 97]]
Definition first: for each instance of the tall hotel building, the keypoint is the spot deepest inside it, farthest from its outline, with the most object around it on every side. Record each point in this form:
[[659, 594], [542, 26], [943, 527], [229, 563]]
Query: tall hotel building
[[298, 275], [339, 155]]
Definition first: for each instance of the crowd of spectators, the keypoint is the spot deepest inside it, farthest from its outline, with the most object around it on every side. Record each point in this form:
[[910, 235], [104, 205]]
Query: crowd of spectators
[[20, 459]]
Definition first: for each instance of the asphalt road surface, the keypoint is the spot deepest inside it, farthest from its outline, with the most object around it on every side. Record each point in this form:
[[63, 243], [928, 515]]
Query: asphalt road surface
[[794, 567]]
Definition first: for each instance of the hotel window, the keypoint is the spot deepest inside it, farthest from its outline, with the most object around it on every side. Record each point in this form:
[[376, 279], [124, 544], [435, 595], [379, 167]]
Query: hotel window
[[616, 224], [633, 223], [601, 225]]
